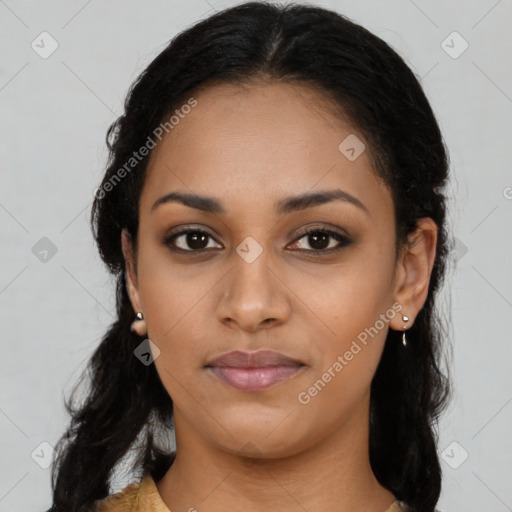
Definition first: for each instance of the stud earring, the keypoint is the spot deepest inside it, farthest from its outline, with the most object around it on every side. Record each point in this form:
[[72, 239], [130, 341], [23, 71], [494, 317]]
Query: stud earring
[[138, 317], [405, 319]]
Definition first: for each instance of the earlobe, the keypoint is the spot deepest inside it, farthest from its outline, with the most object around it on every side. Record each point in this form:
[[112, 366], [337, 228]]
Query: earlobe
[[416, 263]]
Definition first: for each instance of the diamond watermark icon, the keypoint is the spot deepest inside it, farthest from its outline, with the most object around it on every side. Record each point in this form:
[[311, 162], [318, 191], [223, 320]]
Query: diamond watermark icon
[[454, 455], [44, 250], [249, 454], [454, 45], [44, 45], [43, 455], [249, 249], [460, 249], [351, 147], [147, 352]]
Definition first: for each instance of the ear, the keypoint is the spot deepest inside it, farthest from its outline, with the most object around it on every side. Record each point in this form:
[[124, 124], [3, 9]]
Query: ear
[[130, 270], [414, 268]]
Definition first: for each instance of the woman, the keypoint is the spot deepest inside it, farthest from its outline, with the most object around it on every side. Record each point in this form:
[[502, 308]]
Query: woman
[[273, 211]]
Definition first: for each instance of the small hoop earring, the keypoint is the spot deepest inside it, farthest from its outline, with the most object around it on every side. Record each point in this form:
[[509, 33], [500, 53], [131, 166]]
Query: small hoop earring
[[405, 319], [138, 317]]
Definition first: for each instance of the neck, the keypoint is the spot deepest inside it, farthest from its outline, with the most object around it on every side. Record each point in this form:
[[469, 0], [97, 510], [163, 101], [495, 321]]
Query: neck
[[333, 475]]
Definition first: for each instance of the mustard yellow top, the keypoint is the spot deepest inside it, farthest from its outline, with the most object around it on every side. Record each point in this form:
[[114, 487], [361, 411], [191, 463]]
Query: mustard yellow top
[[144, 497]]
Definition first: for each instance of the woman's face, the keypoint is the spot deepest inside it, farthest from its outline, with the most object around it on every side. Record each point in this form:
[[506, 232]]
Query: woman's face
[[251, 279]]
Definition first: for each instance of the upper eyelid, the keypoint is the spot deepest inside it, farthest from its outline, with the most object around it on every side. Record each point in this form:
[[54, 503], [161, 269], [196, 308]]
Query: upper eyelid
[[320, 227]]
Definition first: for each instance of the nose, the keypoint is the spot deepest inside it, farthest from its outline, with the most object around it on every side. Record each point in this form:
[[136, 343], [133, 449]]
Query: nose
[[254, 297]]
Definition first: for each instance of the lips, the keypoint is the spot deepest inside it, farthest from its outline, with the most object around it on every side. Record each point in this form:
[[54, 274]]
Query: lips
[[244, 359], [253, 371]]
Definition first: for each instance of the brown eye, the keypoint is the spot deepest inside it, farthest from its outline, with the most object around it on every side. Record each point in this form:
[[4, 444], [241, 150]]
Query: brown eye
[[189, 240], [323, 240]]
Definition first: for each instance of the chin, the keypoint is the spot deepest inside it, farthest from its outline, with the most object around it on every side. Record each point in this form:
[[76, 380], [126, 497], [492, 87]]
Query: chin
[[261, 439], [268, 451]]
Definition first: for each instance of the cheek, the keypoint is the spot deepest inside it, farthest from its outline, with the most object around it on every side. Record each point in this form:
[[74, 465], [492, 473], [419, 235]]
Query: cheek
[[349, 300], [172, 295], [342, 380], [354, 312], [181, 356], [175, 324]]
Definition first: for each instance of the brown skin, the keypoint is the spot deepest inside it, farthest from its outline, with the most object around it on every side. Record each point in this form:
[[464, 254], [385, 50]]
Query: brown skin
[[250, 147]]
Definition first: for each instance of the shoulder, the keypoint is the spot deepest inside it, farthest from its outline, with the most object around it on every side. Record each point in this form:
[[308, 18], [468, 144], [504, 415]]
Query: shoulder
[[140, 496], [123, 501]]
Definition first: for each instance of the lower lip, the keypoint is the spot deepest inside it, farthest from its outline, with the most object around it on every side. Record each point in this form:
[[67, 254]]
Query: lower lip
[[254, 379]]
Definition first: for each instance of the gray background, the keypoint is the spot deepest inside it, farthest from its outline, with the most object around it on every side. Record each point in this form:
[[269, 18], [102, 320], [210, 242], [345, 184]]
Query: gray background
[[55, 307]]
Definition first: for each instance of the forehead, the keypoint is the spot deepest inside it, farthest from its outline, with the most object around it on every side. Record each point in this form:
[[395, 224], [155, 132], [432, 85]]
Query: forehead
[[252, 145]]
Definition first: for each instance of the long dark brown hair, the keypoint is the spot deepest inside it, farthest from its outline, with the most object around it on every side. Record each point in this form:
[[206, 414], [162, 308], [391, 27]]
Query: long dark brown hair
[[126, 408]]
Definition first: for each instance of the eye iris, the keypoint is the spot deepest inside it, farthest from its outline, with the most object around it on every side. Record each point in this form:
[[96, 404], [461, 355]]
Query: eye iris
[[197, 240], [320, 240]]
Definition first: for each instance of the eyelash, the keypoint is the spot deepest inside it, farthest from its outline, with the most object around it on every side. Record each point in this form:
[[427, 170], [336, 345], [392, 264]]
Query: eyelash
[[342, 239]]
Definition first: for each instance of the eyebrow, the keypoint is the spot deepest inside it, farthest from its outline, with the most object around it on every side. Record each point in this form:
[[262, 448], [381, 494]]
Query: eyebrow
[[287, 205]]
